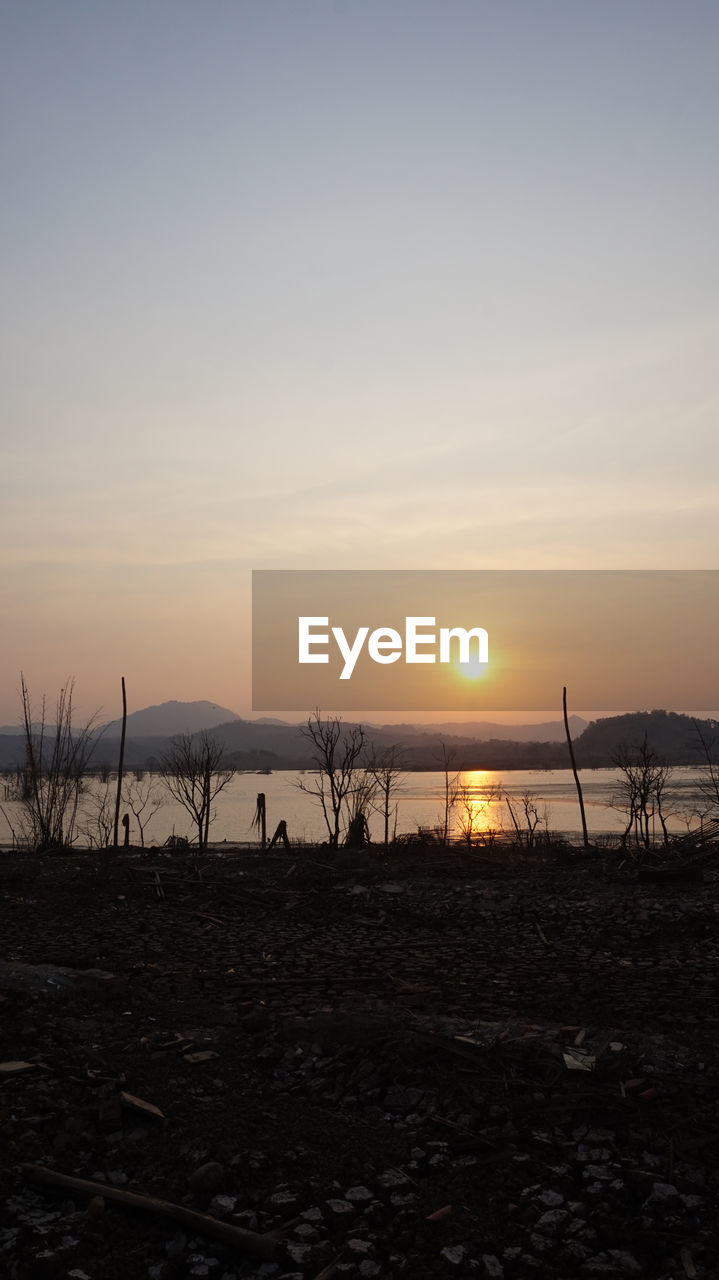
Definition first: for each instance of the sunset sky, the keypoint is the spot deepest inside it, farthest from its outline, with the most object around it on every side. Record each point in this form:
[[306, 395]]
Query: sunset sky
[[376, 284]]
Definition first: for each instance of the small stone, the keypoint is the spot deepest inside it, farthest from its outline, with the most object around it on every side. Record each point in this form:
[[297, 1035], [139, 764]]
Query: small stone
[[175, 1247], [625, 1261], [550, 1199], [392, 1180], [340, 1210], [692, 1202], [454, 1255], [402, 1100], [306, 1234], [600, 1267], [403, 1201], [573, 1252], [207, 1178], [552, 1222], [359, 1196], [663, 1193], [299, 1254], [221, 1206], [493, 1268], [246, 1218], [360, 1249], [284, 1202]]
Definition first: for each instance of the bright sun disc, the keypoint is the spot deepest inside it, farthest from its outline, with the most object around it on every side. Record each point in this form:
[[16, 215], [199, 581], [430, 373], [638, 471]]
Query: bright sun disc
[[473, 669]]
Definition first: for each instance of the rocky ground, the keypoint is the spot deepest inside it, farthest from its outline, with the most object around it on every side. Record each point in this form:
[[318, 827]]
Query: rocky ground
[[432, 1065]]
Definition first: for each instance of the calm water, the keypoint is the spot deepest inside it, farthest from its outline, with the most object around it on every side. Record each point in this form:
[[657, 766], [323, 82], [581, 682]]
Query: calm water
[[421, 804]]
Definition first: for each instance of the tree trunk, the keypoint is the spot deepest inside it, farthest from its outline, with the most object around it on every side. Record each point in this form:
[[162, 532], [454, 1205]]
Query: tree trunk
[[120, 766], [574, 768]]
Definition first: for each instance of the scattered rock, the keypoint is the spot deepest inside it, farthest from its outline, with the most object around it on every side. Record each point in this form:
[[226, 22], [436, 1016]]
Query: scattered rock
[[207, 1178]]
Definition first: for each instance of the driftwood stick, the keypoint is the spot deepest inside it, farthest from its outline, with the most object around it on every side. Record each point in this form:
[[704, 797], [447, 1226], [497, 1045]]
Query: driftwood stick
[[265, 1245]]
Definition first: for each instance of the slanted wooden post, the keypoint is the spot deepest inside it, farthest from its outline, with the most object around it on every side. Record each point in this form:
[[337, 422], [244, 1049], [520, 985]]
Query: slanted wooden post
[[280, 834], [260, 819], [120, 766], [574, 768]]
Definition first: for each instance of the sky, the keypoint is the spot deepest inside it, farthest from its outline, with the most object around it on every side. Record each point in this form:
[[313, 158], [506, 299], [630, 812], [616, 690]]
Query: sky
[[411, 284]]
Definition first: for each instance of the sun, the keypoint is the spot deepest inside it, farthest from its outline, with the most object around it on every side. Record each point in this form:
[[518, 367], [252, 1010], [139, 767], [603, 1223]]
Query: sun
[[474, 669]]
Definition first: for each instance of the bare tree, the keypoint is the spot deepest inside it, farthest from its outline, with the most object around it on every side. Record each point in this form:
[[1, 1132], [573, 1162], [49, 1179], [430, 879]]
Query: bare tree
[[709, 778], [193, 770], [446, 756], [386, 769], [56, 757], [526, 830], [336, 752], [642, 791], [360, 800], [96, 822], [473, 809], [143, 799]]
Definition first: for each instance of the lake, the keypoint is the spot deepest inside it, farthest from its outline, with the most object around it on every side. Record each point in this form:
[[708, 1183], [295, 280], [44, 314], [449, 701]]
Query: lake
[[421, 804]]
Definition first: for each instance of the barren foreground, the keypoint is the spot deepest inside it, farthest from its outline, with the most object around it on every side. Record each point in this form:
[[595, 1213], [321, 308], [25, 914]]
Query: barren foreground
[[428, 1066]]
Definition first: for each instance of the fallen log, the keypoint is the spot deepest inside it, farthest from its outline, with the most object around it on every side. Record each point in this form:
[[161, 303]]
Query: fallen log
[[265, 1245]]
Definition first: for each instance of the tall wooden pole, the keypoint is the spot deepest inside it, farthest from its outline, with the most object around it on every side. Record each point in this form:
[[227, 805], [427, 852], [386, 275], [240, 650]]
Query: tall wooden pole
[[574, 767], [120, 766]]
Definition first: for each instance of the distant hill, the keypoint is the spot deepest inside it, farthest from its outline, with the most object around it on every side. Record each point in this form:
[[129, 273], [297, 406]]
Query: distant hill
[[169, 718], [672, 735], [486, 730], [274, 744]]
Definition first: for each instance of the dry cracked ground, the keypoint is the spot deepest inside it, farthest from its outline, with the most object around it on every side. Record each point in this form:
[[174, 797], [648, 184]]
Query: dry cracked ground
[[309, 1066]]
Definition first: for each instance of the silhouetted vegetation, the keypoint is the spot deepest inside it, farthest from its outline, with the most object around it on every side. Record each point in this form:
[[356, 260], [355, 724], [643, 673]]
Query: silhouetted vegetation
[[56, 758], [193, 770], [642, 792], [335, 752]]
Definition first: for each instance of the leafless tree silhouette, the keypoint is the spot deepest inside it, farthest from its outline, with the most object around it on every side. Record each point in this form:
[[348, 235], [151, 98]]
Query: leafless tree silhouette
[[387, 771], [709, 782], [336, 753], [143, 799], [642, 791], [193, 770], [446, 757], [56, 756]]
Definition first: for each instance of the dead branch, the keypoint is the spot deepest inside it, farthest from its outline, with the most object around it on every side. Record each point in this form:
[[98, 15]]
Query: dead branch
[[266, 1245]]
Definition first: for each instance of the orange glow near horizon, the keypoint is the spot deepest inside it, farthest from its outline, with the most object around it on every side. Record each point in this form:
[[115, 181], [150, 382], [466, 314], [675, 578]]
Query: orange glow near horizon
[[478, 804]]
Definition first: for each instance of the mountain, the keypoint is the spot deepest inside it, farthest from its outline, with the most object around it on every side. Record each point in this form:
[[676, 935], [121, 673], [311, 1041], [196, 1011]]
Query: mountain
[[170, 718], [672, 735], [485, 730], [255, 744]]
